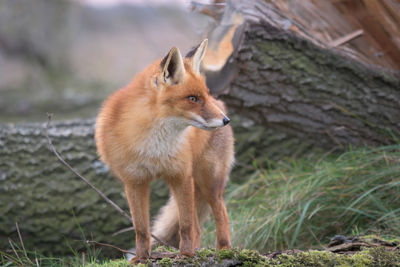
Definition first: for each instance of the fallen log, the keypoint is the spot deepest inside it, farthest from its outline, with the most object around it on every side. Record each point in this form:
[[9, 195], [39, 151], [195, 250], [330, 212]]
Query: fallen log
[[51, 205], [297, 87]]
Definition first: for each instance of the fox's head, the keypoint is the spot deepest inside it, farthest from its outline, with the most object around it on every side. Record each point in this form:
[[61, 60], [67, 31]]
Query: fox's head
[[183, 93]]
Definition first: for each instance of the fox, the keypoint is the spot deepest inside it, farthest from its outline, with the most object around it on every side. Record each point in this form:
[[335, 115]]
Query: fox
[[166, 124]]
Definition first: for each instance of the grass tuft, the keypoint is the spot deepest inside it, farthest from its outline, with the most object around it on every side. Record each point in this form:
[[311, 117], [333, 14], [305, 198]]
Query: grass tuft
[[301, 204]]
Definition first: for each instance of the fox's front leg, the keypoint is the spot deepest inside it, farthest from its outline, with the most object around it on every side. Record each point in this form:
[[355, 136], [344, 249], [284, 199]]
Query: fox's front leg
[[183, 190], [138, 199]]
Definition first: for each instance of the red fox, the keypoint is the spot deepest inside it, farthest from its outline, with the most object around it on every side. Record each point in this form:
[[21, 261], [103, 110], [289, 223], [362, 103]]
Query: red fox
[[166, 124]]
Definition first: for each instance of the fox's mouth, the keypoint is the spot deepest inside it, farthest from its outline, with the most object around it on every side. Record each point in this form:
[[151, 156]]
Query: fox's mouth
[[203, 126], [200, 122]]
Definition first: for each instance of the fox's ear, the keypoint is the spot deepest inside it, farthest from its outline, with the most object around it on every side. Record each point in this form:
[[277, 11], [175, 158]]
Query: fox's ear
[[172, 68], [196, 55]]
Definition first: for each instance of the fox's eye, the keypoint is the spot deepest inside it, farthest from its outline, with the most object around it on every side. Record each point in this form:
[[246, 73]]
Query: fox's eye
[[193, 98]]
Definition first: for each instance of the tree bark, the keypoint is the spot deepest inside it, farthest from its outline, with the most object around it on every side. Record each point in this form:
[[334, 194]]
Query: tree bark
[[299, 91], [48, 201]]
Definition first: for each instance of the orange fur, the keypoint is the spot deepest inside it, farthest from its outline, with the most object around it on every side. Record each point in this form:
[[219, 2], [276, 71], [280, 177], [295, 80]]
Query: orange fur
[[146, 130]]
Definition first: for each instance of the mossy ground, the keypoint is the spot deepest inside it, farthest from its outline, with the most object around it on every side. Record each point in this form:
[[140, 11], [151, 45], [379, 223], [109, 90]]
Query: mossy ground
[[379, 256]]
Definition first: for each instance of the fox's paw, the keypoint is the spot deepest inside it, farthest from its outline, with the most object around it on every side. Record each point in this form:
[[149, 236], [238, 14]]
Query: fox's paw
[[184, 255], [224, 244], [225, 247], [136, 260]]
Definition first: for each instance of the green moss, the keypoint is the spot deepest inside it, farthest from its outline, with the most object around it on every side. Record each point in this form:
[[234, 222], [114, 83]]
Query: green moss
[[379, 256], [246, 256], [283, 260], [361, 259], [388, 77], [165, 262], [275, 54], [111, 263], [183, 261], [204, 253], [384, 257], [249, 255], [226, 254], [165, 249]]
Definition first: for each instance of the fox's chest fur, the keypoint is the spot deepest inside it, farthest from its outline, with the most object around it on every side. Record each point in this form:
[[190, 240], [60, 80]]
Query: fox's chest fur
[[157, 151]]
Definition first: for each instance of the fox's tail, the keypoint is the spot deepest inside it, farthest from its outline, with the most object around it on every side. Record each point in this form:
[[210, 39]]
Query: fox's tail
[[166, 224]]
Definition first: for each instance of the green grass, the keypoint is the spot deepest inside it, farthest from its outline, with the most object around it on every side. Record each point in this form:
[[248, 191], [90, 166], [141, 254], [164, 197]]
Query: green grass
[[18, 255], [302, 204]]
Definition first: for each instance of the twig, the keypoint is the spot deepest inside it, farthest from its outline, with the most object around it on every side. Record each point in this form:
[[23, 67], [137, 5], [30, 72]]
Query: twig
[[123, 213], [109, 201], [123, 231], [22, 243], [15, 252], [111, 246], [207, 4], [346, 38], [153, 255]]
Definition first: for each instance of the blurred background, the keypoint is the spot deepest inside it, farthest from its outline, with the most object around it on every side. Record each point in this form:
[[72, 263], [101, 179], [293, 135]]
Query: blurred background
[[65, 56]]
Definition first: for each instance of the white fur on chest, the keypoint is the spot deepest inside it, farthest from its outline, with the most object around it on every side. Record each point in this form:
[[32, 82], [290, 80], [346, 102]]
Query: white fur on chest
[[158, 149], [164, 138]]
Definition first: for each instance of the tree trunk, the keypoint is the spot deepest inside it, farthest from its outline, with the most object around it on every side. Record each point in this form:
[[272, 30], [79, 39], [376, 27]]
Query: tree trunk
[[50, 203], [301, 93]]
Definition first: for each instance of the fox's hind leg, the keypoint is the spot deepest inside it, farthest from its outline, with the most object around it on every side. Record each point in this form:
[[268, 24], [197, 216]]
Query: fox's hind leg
[[221, 221], [211, 185], [166, 224]]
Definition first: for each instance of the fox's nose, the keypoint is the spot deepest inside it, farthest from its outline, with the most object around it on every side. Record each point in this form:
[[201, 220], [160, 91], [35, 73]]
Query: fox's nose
[[226, 120]]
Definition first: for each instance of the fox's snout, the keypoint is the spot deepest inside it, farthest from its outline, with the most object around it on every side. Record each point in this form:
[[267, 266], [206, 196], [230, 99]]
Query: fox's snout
[[218, 122], [211, 117]]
